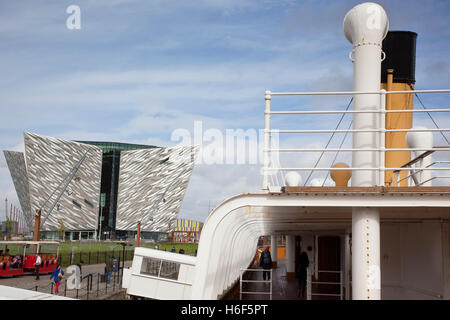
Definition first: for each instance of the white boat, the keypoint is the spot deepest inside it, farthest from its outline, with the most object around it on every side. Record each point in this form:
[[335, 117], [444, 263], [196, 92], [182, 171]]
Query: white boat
[[389, 231]]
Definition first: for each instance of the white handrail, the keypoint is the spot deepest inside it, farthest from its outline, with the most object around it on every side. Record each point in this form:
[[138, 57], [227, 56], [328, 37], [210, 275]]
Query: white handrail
[[355, 130], [358, 111], [336, 93], [241, 280], [354, 149], [352, 169], [269, 167], [340, 283]]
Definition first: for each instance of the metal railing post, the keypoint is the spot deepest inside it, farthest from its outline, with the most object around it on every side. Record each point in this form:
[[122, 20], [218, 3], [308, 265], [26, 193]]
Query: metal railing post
[[380, 133], [341, 285], [65, 288], [271, 281], [265, 183], [87, 289], [382, 137], [98, 282], [308, 284], [240, 285]]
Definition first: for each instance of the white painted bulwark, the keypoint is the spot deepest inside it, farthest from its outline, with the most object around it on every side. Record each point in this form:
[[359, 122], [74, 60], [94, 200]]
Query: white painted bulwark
[[126, 276], [12, 293], [156, 285], [412, 261]]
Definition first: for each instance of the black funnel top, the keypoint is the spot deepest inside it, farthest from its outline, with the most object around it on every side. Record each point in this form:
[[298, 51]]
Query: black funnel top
[[400, 49]]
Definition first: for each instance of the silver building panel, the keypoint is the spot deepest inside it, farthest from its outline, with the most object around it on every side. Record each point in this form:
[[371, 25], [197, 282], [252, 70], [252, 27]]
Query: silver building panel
[[152, 184], [18, 170], [49, 161]]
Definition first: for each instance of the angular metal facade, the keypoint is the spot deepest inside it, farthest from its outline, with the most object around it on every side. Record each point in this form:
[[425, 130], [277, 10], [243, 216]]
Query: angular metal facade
[[18, 170], [49, 161], [152, 184]]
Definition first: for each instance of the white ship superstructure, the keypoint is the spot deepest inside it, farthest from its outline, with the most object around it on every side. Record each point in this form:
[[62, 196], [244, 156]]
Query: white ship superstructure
[[389, 231]]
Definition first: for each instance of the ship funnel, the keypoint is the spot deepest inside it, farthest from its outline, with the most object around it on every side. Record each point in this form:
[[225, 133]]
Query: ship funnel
[[398, 74]]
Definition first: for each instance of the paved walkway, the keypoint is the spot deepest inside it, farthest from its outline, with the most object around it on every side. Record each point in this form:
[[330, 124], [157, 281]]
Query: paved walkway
[[45, 285]]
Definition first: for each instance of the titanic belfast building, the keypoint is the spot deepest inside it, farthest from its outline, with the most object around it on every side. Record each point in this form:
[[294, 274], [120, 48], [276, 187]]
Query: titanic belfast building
[[87, 189]]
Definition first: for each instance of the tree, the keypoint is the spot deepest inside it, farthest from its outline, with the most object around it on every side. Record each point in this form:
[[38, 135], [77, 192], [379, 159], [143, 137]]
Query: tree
[[61, 229]]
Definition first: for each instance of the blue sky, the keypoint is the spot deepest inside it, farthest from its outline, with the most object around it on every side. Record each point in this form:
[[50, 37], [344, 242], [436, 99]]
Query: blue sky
[[138, 70]]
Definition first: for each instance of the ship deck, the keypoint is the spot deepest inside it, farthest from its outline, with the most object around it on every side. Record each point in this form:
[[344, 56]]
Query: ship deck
[[283, 287]]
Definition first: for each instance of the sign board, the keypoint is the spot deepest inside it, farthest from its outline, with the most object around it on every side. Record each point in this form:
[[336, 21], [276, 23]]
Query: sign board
[[102, 200]]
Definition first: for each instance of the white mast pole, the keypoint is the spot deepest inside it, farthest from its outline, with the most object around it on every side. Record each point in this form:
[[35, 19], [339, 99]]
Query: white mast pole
[[365, 26]]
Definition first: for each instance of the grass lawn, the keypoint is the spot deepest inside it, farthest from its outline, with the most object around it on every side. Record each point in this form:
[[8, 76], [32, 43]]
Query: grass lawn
[[189, 248]]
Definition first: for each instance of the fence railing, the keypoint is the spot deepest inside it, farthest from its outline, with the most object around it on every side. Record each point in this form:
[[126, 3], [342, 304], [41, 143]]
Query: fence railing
[[94, 257], [271, 169], [93, 286], [339, 284], [242, 281]]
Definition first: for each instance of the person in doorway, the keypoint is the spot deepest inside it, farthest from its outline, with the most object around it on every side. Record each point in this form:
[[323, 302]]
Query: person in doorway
[[265, 261], [37, 265], [57, 276], [109, 269], [301, 272]]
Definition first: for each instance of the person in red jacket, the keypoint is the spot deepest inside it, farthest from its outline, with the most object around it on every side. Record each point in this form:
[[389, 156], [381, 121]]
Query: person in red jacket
[[57, 275]]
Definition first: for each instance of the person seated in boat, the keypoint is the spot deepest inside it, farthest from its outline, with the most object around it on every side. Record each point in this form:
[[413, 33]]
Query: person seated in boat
[[7, 253], [15, 263]]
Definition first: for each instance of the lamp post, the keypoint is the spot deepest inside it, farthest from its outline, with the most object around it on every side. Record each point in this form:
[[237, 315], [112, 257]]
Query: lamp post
[[73, 254], [37, 225]]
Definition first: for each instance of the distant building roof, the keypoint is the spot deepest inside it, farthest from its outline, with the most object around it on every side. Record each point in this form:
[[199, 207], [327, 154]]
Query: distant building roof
[[113, 146]]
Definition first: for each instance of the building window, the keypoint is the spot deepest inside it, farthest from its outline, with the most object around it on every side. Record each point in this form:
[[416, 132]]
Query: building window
[[160, 268], [151, 266], [169, 270]]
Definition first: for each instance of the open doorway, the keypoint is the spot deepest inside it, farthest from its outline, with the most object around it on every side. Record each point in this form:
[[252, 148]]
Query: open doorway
[[327, 284]]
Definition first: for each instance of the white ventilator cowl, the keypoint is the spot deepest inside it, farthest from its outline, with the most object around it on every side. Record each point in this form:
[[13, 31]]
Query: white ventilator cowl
[[316, 182], [366, 23], [293, 179], [419, 139]]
